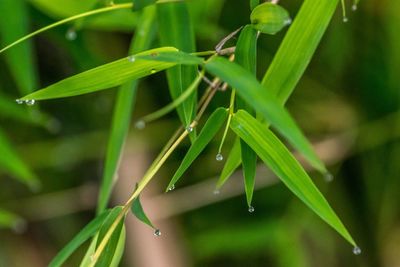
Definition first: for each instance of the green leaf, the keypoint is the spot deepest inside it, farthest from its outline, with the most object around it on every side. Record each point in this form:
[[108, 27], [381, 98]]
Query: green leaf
[[269, 18], [12, 164], [126, 97], [298, 47], [264, 102], [254, 3], [181, 57], [110, 249], [278, 158], [119, 250], [88, 231], [106, 76], [137, 210], [246, 49], [209, 130], [20, 60], [232, 163], [249, 163], [140, 4], [176, 29], [10, 220], [63, 8]]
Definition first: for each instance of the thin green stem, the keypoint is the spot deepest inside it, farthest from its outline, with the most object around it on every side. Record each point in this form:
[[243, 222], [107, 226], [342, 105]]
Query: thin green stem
[[231, 110]]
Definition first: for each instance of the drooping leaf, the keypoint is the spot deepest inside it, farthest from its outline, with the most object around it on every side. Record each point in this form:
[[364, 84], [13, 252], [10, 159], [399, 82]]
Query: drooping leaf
[[106, 76], [137, 210], [298, 47], [140, 4], [15, 23], [209, 130], [12, 164], [249, 163], [278, 158], [269, 18], [176, 29], [88, 231], [126, 97], [110, 249], [232, 163], [265, 103]]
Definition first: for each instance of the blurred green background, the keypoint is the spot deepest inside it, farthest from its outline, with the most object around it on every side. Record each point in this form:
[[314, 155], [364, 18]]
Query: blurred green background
[[347, 103]]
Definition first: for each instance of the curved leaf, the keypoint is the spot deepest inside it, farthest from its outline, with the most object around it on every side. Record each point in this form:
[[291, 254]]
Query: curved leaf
[[137, 210], [278, 158]]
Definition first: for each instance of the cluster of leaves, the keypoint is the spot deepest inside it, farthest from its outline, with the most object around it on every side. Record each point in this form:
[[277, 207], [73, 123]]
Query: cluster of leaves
[[254, 106]]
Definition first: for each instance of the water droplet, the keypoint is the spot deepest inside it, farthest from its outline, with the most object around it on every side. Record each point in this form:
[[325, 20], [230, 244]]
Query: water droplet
[[219, 157], [157, 232], [251, 209], [71, 35], [345, 19], [356, 251], [288, 21], [30, 102], [216, 192], [19, 101], [354, 7], [153, 71], [328, 177], [189, 129], [172, 187], [140, 125], [131, 58]]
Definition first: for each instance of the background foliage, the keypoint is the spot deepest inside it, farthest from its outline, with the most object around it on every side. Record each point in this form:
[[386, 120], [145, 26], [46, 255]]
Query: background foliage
[[347, 103]]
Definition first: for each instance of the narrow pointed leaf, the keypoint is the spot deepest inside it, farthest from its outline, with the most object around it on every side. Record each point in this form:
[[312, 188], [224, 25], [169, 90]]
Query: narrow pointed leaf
[[104, 77], [137, 210], [249, 163], [126, 98], [278, 158], [119, 250], [88, 231], [176, 29], [210, 129], [109, 251], [15, 23], [176, 56], [11, 163], [232, 163], [265, 103], [298, 47], [140, 4]]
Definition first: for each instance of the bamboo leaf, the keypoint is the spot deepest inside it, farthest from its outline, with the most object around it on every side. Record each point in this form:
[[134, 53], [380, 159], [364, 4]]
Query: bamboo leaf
[[249, 163], [140, 4], [176, 29], [123, 108], [119, 250], [265, 103], [298, 47], [213, 124], [232, 163], [20, 60], [110, 249], [269, 18], [137, 210], [88, 231], [12, 164], [278, 158], [106, 76]]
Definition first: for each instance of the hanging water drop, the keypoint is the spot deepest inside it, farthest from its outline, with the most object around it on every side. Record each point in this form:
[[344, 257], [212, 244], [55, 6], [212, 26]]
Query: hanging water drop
[[189, 129], [71, 35], [153, 71], [354, 7], [219, 157], [157, 232], [288, 21], [345, 19], [172, 187], [30, 102], [328, 177], [251, 209], [131, 58], [19, 101], [216, 192], [140, 125], [356, 251]]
